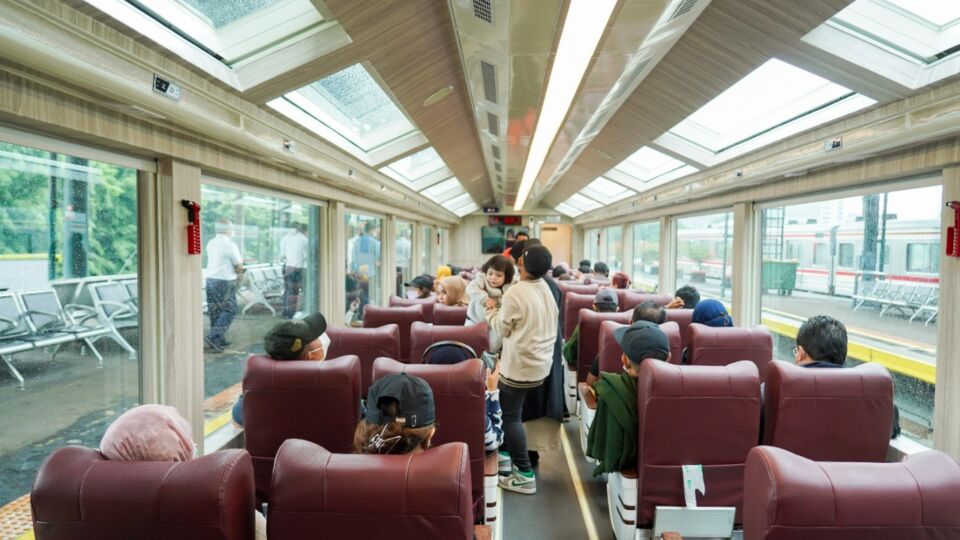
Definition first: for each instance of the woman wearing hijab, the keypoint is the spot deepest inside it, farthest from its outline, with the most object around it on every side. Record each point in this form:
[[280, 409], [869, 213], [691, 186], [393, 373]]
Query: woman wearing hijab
[[712, 313], [452, 291]]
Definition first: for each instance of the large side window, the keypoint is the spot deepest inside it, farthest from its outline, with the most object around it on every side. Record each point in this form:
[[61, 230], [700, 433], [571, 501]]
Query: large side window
[[613, 248], [363, 264], [883, 285], [403, 247], [705, 254], [646, 255], [260, 266], [69, 317]]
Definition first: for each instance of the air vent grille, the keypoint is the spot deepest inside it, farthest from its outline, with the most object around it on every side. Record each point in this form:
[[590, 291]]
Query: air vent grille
[[489, 73], [497, 167], [483, 10], [681, 10], [495, 151], [493, 124]]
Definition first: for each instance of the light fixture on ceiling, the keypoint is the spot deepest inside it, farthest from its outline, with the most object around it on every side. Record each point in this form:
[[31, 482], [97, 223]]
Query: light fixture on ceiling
[[583, 27], [438, 96]]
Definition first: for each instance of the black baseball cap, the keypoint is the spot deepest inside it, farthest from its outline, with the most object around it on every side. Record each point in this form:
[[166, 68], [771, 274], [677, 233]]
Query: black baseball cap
[[641, 339], [286, 340], [606, 297], [537, 260], [414, 398], [423, 282]]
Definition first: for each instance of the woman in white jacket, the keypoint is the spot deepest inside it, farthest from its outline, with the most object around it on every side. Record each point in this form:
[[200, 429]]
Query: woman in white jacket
[[495, 278]]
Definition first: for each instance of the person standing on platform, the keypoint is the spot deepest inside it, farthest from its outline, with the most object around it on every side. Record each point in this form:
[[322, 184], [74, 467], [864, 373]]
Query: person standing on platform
[[293, 253], [223, 267]]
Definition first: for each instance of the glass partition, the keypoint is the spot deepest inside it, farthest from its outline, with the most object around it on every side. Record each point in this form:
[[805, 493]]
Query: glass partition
[[872, 262], [403, 247], [426, 247], [613, 248], [705, 254], [69, 316], [591, 245], [260, 267], [363, 265], [646, 255]]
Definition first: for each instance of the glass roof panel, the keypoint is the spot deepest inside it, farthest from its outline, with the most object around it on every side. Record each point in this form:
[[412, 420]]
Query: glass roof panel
[[925, 30], [938, 12], [458, 202], [433, 192], [414, 166], [567, 210], [773, 95], [469, 209], [646, 164], [606, 190], [223, 12], [584, 204]]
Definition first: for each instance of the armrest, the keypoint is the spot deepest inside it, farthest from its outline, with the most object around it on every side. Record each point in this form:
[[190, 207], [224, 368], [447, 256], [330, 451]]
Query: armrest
[[122, 309], [9, 322], [587, 396]]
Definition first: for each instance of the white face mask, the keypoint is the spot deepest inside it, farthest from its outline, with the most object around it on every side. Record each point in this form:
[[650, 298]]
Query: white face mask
[[325, 340]]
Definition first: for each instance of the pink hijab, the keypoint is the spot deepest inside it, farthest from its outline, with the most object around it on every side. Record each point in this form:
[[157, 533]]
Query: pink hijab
[[455, 288], [148, 433]]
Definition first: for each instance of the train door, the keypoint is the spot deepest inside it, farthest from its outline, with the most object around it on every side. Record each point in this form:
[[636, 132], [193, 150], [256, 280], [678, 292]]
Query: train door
[[558, 238]]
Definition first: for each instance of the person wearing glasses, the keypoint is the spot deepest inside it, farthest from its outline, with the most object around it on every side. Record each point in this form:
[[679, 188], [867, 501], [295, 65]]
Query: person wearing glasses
[[303, 339]]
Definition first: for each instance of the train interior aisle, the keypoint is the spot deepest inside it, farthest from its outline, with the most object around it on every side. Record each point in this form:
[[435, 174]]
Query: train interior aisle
[[507, 269]]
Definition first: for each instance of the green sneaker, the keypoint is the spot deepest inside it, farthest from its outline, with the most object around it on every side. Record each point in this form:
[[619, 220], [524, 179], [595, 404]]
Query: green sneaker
[[519, 482], [504, 463]]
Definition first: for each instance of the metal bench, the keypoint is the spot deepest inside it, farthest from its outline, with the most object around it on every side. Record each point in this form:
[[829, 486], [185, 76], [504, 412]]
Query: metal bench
[[114, 311], [873, 294], [52, 326], [13, 330]]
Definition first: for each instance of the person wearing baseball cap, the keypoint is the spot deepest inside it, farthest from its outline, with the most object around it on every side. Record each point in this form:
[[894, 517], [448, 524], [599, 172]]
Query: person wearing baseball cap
[[605, 301], [612, 439], [419, 287], [299, 339], [400, 417]]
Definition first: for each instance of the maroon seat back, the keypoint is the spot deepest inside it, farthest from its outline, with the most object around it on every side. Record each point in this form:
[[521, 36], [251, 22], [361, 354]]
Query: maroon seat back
[[829, 414], [628, 299], [788, 497], [707, 415], [429, 304], [423, 335], [444, 315], [589, 342], [78, 495], [579, 288], [598, 281], [367, 344], [298, 399], [721, 346], [610, 350], [402, 316], [683, 317], [572, 304], [458, 393], [320, 494]]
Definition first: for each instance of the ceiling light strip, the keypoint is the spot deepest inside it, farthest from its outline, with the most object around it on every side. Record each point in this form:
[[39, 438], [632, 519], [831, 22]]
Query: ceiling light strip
[[583, 27]]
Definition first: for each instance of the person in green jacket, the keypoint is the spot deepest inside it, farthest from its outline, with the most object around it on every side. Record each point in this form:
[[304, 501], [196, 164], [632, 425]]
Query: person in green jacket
[[613, 435], [604, 302]]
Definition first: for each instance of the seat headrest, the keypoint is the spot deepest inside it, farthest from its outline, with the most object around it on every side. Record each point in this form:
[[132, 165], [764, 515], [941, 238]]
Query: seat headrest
[[629, 299], [829, 414], [321, 494], [79, 495], [683, 317], [466, 378], [374, 316], [711, 346], [422, 335], [367, 344], [578, 288], [790, 497], [610, 351], [429, 304], [572, 304], [449, 315]]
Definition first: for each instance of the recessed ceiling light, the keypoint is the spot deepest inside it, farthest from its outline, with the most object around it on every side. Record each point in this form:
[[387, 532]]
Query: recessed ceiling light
[[438, 96]]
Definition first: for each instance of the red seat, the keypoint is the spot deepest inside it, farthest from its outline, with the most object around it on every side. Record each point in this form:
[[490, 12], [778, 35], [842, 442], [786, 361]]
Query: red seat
[[829, 414], [610, 351], [788, 497], [589, 342], [458, 393], [78, 495], [628, 299], [367, 344], [721, 346], [683, 317], [579, 288], [298, 399], [706, 415], [402, 497], [376, 316], [449, 315], [423, 335], [428, 305], [572, 304], [594, 280]]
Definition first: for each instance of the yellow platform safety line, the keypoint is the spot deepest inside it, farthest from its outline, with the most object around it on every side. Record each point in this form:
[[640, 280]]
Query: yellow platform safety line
[[27, 535], [216, 423], [23, 256], [910, 367]]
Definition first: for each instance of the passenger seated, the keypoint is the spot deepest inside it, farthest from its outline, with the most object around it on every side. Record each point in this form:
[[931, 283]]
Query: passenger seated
[[648, 311], [303, 339], [712, 313], [584, 268], [605, 301], [156, 433], [400, 417], [495, 278], [601, 270], [451, 291], [822, 343], [686, 297], [450, 352], [621, 280], [612, 440], [420, 287]]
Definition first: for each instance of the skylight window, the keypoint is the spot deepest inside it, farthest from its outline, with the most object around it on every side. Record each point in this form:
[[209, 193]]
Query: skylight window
[[567, 210], [925, 30], [467, 209], [582, 203], [444, 191], [775, 101], [415, 166], [647, 164], [234, 30], [938, 12], [606, 191]]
